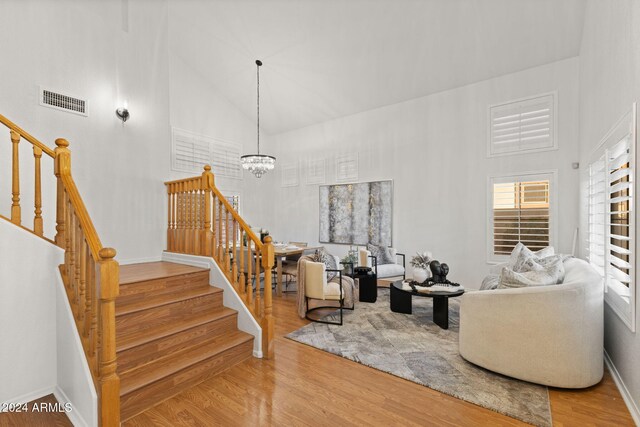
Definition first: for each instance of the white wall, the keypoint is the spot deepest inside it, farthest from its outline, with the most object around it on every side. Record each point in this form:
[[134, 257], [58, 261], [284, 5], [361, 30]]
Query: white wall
[[81, 48], [609, 84], [74, 380], [434, 149], [27, 314], [198, 106]]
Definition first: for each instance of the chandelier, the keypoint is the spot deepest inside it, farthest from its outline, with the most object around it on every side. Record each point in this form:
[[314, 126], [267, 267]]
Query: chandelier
[[258, 164]]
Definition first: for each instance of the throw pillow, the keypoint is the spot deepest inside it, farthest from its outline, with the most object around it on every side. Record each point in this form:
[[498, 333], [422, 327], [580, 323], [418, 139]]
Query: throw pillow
[[490, 282], [382, 254], [521, 254], [329, 262], [551, 273]]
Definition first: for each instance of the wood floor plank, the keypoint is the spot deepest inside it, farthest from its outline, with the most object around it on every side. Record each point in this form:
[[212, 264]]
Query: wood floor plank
[[308, 387], [34, 418]]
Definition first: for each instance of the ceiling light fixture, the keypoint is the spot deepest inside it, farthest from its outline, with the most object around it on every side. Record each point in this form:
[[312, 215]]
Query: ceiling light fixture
[[258, 164], [123, 112]]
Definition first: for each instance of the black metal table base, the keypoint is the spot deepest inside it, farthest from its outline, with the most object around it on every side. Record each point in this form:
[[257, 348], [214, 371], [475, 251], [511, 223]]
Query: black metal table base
[[400, 302]]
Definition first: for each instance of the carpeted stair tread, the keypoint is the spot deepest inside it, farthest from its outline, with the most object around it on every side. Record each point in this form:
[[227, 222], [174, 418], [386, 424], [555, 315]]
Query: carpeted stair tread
[[164, 299], [138, 337], [161, 368]]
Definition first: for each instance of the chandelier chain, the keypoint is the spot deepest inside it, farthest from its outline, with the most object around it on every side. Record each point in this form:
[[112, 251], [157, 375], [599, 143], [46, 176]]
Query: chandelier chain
[[258, 106]]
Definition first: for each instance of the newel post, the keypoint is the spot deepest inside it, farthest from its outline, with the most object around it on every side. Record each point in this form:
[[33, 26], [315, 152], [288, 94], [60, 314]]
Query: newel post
[[109, 382], [267, 320], [61, 166], [207, 239]]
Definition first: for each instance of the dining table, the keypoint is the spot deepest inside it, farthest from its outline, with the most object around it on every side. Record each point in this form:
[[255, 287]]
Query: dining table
[[281, 251]]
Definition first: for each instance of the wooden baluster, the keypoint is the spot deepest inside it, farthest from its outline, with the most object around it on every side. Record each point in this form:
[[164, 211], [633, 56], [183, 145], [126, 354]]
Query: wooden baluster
[[180, 218], [220, 237], [37, 219], [78, 275], [187, 217], [242, 278], [234, 249], [169, 217], [214, 234], [86, 279], [267, 320], [72, 259], [62, 165], [197, 216], [250, 264], [109, 383], [94, 316], [15, 180], [257, 309], [227, 237]]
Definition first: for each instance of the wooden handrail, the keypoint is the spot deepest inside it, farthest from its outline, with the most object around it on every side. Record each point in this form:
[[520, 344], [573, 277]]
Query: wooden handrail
[[201, 221], [8, 123], [89, 272]]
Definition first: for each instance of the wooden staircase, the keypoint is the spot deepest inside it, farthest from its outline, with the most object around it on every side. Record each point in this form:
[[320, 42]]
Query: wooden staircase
[[172, 332]]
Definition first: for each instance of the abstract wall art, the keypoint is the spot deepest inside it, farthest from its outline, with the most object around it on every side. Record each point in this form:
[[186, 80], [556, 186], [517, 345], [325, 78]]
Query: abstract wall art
[[356, 214]]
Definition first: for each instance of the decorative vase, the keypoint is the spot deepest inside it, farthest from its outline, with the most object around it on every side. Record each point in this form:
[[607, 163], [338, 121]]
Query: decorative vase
[[420, 275]]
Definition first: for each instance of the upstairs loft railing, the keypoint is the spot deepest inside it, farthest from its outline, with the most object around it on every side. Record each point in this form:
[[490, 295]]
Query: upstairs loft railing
[[201, 221], [90, 272]]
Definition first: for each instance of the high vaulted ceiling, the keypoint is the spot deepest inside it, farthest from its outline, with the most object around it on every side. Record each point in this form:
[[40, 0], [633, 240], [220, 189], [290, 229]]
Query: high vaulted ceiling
[[325, 59]]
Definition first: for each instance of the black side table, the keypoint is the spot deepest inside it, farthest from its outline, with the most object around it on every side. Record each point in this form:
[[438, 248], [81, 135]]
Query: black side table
[[368, 286]]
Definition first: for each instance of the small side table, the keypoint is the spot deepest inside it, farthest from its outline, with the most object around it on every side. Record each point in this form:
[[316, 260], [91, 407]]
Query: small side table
[[368, 286]]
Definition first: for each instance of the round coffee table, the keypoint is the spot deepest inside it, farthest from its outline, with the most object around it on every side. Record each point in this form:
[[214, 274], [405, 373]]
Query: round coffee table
[[400, 302]]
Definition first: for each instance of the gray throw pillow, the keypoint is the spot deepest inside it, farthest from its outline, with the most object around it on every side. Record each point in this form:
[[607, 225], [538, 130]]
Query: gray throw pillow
[[329, 262], [382, 254], [490, 282]]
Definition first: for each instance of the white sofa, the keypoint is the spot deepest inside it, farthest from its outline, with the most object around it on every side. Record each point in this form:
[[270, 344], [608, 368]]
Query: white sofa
[[550, 335], [383, 270]]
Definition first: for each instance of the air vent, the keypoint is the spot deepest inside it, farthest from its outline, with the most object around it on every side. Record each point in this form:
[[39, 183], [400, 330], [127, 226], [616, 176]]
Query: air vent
[[59, 101]]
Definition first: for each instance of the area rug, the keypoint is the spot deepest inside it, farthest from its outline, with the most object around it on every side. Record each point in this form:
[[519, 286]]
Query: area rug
[[412, 347]]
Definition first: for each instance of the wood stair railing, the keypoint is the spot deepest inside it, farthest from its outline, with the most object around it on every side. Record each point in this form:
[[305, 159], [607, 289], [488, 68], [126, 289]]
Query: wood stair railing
[[89, 272], [201, 221]]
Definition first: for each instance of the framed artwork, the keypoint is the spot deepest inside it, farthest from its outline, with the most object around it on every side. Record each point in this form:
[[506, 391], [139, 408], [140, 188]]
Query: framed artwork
[[357, 214]]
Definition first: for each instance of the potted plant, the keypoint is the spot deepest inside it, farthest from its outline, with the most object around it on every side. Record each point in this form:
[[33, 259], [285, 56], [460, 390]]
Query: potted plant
[[420, 263], [349, 262]]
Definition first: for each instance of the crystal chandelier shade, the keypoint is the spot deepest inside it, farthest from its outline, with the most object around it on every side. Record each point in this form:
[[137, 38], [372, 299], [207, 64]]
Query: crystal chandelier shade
[[258, 164]]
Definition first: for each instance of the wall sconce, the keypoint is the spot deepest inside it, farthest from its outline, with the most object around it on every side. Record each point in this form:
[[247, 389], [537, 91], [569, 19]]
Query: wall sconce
[[123, 113]]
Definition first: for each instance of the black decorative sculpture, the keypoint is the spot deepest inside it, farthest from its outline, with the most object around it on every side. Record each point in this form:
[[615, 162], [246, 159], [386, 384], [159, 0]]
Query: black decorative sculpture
[[439, 271]]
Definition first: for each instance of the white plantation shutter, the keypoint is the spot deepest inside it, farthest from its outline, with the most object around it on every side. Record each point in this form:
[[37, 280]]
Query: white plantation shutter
[[619, 208], [189, 153], [611, 233], [524, 125], [225, 159], [520, 212], [597, 232]]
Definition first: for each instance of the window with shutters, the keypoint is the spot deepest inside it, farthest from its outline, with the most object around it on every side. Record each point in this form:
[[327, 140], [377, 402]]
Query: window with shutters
[[523, 126], [521, 210], [611, 216], [191, 152]]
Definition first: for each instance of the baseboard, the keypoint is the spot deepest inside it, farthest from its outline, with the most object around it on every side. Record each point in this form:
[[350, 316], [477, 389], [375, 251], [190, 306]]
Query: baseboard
[[32, 395], [257, 354], [74, 416], [139, 260], [626, 396]]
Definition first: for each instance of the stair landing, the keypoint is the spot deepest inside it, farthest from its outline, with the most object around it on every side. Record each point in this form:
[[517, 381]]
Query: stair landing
[[154, 270]]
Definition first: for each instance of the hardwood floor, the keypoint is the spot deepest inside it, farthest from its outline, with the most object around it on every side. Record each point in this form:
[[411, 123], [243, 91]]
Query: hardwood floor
[[36, 419], [306, 386]]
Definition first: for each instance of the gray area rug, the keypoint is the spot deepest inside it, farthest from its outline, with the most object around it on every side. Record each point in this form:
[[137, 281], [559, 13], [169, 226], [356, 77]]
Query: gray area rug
[[414, 348]]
